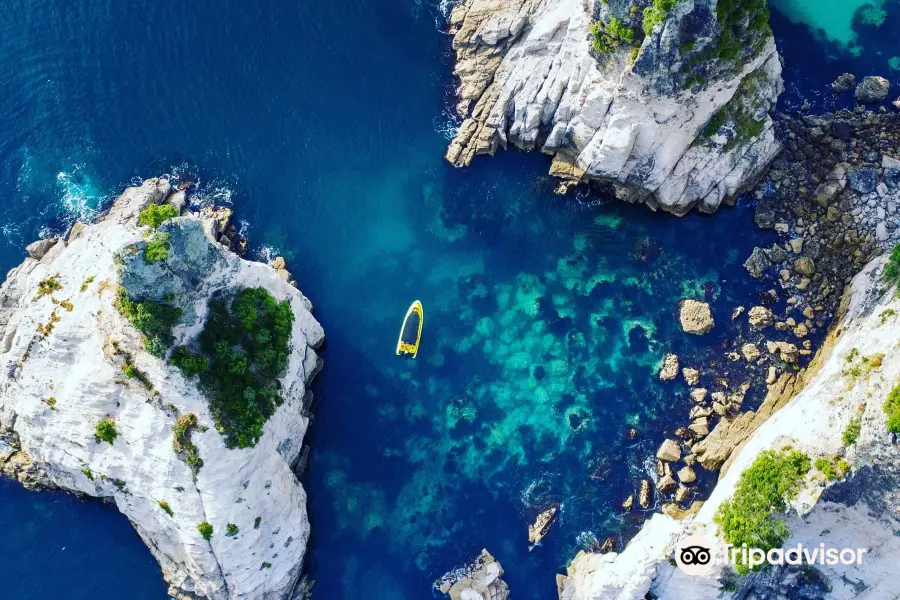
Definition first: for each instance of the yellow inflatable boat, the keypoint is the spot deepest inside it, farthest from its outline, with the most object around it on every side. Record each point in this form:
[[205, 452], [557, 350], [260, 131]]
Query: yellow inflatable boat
[[411, 332]]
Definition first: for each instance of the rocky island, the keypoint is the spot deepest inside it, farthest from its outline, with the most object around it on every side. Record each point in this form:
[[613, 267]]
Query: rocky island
[[146, 364]]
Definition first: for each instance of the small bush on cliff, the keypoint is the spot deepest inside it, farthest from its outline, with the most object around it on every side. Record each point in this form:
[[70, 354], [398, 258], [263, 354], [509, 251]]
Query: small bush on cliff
[[106, 431], [182, 444], [206, 530], [656, 14], [157, 248], [247, 342], [892, 410], [892, 269], [851, 434], [156, 214], [48, 286], [607, 37], [231, 529], [165, 506], [751, 515], [189, 363], [832, 467], [154, 320]]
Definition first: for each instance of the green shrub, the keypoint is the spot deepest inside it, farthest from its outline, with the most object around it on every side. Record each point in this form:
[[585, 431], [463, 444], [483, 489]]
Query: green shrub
[[189, 363], [157, 247], [892, 269], [656, 14], [832, 467], [247, 341], [206, 530], [88, 473], [48, 286], [744, 23], [892, 410], [182, 444], [231, 529], [165, 506], [608, 37], [265, 565], [156, 214], [51, 402], [154, 320], [106, 431], [87, 282], [256, 522], [851, 433], [751, 515]]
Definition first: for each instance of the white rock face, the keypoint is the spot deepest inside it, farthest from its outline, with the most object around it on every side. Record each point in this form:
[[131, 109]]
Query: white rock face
[[75, 365], [862, 511], [529, 77]]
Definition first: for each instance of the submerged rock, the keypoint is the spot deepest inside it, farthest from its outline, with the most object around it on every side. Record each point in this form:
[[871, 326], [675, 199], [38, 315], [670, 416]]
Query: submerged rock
[[844, 82], [872, 89], [691, 376], [480, 580], [695, 317]]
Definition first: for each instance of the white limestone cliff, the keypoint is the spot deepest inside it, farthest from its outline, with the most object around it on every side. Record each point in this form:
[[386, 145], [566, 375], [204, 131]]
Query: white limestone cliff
[[66, 345], [861, 511], [676, 127]]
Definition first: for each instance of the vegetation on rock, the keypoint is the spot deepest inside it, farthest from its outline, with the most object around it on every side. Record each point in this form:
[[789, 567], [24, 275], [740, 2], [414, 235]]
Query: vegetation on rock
[[751, 515], [106, 431], [256, 522], [656, 14], [892, 269], [246, 342], [51, 402], [832, 467], [231, 529], [607, 37], [154, 320], [851, 433], [182, 444], [744, 23], [165, 506], [156, 214], [189, 363], [892, 410], [157, 247], [48, 286], [206, 530], [88, 473], [87, 282]]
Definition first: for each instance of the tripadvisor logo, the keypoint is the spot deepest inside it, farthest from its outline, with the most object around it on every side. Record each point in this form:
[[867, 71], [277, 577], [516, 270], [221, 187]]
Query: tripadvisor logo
[[697, 555]]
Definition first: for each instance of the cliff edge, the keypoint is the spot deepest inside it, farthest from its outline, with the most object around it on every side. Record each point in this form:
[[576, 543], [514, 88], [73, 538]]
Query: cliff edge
[[667, 100], [113, 365]]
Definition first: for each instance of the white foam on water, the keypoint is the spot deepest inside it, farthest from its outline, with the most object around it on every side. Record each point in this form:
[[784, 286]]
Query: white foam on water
[[79, 199]]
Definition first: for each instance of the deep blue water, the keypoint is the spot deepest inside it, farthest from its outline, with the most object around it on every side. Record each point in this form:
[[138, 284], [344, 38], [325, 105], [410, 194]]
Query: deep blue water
[[324, 125]]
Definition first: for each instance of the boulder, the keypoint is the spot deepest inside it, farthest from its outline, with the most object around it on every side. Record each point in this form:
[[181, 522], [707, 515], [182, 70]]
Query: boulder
[[691, 376], [863, 181], [757, 263], [629, 502], [872, 90], [645, 495], [666, 484], [696, 317], [760, 317], [669, 451], [669, 369], [751, 352], [37, 250], [788, 352], [687, 475], [805, 266], [682, 494], [698, 395], [844, 82]]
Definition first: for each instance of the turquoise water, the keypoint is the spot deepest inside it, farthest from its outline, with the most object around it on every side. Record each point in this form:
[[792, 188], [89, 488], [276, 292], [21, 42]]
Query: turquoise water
[[324, 125]]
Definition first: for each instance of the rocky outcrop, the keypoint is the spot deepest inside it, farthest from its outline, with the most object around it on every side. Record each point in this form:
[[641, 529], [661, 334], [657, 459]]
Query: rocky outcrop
[[811, 413], [72, 361], [676, 118], [481, 580], [872, 90], [695, 317]]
